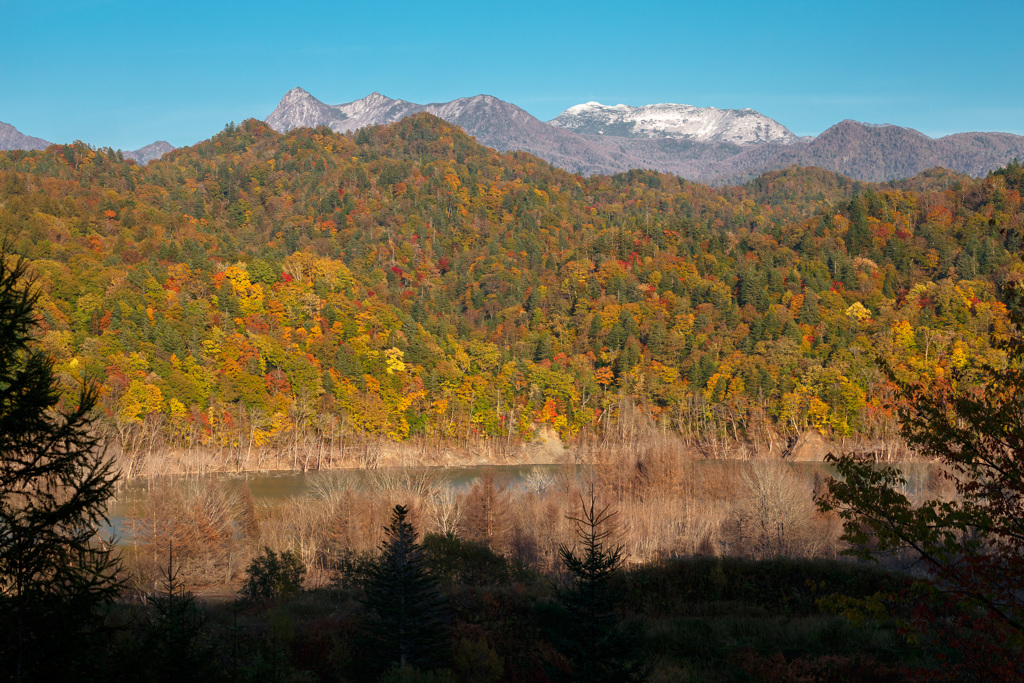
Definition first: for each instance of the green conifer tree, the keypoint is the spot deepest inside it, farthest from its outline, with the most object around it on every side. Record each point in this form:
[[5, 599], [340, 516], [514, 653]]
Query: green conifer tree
[[54, 486], [407, 612], [595, 641]]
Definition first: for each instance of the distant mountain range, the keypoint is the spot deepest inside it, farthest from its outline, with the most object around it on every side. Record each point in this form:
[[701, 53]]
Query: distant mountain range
[[699, 143], [12, 138], [704, 144]]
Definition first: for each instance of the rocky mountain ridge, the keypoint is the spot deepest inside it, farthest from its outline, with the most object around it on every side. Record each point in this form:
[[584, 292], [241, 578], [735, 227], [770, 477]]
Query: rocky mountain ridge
[[702, 144], [677, 121], [12, 138]]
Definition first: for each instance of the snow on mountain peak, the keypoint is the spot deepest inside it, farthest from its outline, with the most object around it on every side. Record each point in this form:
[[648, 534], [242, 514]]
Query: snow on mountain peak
[[298, 109], [667, 120]]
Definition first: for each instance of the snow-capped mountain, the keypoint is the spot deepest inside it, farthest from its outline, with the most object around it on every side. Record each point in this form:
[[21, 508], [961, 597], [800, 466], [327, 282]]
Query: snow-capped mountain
[[700, 143], [676, 121]]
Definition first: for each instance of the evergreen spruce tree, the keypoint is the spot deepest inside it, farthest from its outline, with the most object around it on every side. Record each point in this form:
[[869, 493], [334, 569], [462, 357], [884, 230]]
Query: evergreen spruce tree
[[407, 611], [595, 641], [54, 486]]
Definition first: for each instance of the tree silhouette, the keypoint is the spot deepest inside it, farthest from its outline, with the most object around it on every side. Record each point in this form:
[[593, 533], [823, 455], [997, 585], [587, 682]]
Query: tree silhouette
[[172, 647], [273, 575], [54, 486], [408, 622], [972, 545], [594, 639]]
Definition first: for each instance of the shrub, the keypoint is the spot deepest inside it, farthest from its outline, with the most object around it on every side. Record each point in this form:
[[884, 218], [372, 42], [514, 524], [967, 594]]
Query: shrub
[[352, 569], [271, 576], [465, 562]]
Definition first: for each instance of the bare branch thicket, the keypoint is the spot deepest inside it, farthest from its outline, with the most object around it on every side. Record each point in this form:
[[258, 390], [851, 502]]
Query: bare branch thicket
[[776, 516], [445, 510], [198, 515], [537, 480]]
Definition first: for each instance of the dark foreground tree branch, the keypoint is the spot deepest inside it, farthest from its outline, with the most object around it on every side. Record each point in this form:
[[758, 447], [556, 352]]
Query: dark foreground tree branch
[[55, 482], [972, 543]]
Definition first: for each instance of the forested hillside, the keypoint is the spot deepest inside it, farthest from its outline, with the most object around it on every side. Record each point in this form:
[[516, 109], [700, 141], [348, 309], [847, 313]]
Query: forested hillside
[[264, 293]]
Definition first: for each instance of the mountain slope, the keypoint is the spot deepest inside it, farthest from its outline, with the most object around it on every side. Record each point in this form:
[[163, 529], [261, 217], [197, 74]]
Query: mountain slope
[[12, 138], [702, 144], [677, 121], [155, 150], [879, 153]]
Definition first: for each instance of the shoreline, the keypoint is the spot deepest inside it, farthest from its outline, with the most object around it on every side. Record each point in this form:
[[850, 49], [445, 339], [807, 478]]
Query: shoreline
[[391, 455]]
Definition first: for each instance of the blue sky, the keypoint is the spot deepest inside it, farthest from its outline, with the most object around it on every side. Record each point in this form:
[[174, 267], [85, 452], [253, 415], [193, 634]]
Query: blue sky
[[123, 73]]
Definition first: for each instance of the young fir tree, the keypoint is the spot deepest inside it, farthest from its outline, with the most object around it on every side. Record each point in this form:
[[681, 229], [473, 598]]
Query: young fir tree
[[597, 644], [54, 486], [171, 647], [271, 576], [407, 611]]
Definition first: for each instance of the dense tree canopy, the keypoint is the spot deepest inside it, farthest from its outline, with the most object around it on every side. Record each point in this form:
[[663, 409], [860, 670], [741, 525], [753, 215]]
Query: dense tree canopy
[[971, 544], [258, 289]]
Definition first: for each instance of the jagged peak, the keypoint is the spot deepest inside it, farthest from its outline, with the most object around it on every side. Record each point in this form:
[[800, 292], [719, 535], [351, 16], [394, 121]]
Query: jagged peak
[[376, 96], [476, 99], [297, 94]]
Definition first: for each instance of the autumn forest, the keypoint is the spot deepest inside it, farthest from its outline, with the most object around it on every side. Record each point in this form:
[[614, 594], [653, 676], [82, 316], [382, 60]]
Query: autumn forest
[[402, 295], [270, 300]]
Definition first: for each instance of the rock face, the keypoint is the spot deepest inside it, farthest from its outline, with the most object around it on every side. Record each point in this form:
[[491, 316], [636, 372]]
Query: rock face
[[674, 121], [704, 144], [144, 155], [546, 447], [809, 447], [495, 123], [12, 138]]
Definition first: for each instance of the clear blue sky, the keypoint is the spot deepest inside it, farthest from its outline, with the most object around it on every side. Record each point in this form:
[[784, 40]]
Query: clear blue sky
[[123, 73]]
